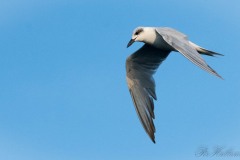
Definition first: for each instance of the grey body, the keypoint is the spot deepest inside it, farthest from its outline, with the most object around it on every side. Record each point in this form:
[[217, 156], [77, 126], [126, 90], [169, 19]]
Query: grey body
[[142, 64]]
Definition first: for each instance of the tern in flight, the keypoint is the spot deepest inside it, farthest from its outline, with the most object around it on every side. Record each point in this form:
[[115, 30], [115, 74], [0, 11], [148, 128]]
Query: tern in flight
[[142, 64]]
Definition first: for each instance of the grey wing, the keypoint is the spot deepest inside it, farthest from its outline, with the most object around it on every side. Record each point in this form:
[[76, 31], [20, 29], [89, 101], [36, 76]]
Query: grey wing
[[140, 67], [180, 42]]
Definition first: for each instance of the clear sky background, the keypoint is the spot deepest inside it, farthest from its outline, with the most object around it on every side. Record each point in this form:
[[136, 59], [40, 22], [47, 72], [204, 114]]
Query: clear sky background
[[63, 92]]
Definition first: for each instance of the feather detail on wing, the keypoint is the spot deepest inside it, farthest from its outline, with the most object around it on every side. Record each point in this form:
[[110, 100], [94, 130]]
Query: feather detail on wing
[[140, 67], [180, 42]]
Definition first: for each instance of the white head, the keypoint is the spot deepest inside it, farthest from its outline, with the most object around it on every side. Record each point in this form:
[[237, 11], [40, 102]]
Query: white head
[[143, 34]]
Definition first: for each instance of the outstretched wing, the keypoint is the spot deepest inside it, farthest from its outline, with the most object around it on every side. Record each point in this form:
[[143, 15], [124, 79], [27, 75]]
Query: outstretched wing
[[180, 42], [140, 67]]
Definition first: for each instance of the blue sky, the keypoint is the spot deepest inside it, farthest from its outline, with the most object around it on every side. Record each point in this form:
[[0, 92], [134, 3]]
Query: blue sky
[[63, 93]]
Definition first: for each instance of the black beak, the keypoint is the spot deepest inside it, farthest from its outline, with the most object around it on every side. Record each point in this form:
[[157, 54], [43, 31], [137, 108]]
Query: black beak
[[130, 42]]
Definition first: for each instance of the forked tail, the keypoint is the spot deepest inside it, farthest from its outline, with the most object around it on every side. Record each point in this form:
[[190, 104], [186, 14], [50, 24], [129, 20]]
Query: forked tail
[[204, 51]]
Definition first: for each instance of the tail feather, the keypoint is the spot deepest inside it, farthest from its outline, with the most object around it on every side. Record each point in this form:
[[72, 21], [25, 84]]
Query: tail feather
[[204, 51], [207, 52]]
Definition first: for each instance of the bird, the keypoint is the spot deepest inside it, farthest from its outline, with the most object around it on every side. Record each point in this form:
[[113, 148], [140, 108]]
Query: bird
[[143, 63]]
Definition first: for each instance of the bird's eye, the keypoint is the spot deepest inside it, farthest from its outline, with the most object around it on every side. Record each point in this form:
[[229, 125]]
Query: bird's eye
[[138, 31]]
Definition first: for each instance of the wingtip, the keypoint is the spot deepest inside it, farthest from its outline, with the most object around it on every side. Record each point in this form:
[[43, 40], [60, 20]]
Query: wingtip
[[153, 139], [220, 77], [216, 74], [154, 142], [213, 72]]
